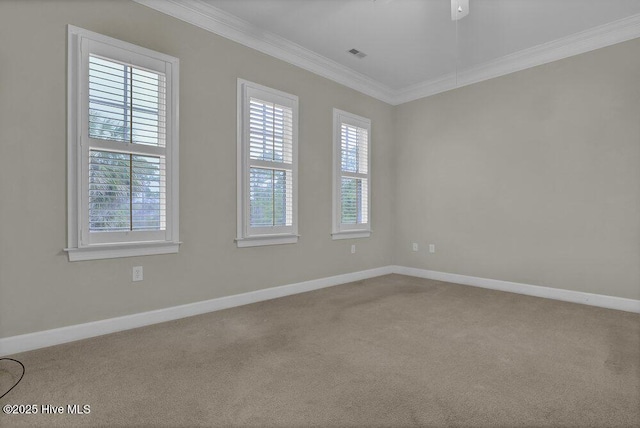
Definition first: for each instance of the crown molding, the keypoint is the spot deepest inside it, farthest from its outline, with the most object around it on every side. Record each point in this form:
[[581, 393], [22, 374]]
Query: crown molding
[[575, 44], [224, 24], [212, 19]]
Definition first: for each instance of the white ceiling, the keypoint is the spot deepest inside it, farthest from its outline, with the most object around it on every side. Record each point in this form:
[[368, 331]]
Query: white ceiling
[[413, 46]]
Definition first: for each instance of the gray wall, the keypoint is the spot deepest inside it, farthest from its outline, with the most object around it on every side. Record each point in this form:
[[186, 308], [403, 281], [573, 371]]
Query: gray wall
[[40, 289], [533, 177]]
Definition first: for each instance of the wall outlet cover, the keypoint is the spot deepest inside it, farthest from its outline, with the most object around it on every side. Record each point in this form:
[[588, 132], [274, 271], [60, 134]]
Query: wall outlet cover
[[138, 273]]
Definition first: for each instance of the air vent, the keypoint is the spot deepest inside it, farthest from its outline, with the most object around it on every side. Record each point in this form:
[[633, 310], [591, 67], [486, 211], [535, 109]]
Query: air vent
[[356, 52]]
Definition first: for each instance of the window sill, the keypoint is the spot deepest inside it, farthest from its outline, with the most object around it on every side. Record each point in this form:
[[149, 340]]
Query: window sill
[[257, 241], [350, 234], [113, 251]]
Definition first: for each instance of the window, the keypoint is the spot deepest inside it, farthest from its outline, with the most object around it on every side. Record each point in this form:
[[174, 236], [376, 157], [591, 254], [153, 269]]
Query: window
[[122, 149], [267, 166], [351, 176]]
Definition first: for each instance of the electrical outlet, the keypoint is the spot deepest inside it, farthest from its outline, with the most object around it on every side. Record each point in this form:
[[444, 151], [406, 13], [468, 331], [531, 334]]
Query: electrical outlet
[[137, 273], [432, 248], [353, 249], [415, 246]]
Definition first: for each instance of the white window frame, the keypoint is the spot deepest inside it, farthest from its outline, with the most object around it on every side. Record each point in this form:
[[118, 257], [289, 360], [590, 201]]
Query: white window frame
[[246, 235], [339, 229], [81, 245]]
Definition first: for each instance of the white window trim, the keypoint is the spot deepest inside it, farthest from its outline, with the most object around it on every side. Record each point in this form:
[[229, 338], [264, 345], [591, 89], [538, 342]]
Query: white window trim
[[78, 249], [339, 230], [244, 238]]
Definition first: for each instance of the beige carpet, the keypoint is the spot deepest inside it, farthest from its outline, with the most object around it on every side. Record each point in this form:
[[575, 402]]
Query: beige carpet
[[390, 351]]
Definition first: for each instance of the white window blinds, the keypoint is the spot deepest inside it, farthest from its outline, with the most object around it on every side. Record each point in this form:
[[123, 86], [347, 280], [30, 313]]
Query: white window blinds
[[354, 175], [122, 128], [126, 104], [270, 164], [127, 190], [351, 175], [267, 166]]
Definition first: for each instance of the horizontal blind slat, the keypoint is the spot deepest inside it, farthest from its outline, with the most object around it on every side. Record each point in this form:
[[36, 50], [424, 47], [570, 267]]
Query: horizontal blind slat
[[270, 132], [126, 192], [354, 147], [126, 103], [270, 197]]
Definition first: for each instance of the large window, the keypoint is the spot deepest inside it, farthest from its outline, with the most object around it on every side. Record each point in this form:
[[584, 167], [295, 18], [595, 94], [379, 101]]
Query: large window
[[267, 166], [351, 176], [123, 149]]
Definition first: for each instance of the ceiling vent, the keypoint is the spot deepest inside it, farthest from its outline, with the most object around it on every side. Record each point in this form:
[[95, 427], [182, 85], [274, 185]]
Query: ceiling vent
[[356, 52]]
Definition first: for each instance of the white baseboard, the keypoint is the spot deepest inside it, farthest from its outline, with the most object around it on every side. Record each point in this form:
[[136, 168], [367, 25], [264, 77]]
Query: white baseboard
[[57, 336], [609, 302], [42, 339]]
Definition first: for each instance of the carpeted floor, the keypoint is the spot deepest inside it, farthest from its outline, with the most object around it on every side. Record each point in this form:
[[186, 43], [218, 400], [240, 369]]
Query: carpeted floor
[[389, 351]]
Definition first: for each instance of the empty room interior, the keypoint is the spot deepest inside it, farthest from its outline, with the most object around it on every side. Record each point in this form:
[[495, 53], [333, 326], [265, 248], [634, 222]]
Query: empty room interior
[[289, 213]]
